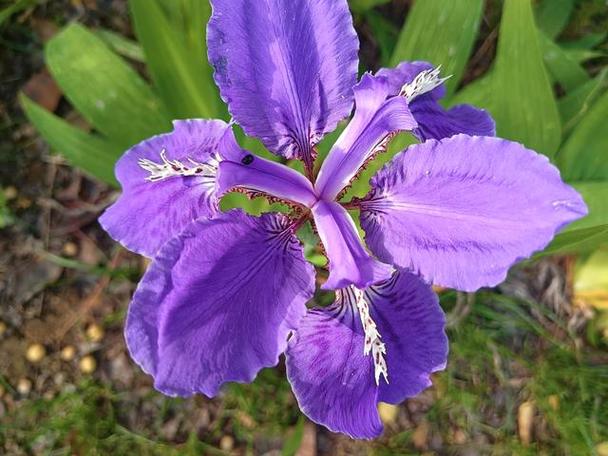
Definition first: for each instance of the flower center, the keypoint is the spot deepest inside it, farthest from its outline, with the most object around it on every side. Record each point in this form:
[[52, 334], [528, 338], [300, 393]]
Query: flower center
[[373, 344], [171, 168]]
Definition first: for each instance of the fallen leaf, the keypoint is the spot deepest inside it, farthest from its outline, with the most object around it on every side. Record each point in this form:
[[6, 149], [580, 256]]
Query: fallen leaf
[[43, 89]]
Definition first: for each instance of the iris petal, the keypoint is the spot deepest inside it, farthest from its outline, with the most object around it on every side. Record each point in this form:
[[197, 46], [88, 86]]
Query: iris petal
[[462, 210], [333, 380], [349, 263], [148, 214], [241, 169], [218, 303], [435, 122], [375, 118], [285, 68]]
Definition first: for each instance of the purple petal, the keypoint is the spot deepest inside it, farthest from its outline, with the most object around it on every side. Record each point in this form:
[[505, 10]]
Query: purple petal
[[412, 325], [285, 68], [148, 214], [375, 118], [332, 379], [241, 169], [435, 122], [462, 210], [349, 263], [334, 382], [218, 303]]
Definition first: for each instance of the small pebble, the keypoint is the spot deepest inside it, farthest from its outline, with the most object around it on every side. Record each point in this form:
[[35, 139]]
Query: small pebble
[[87, 365], [226, 443], [67, 353], [460, 438], [35, 353], [10, 193], [554, 402], [602, 449], [70, 249], [24, 386], [388, 412], [23, 202], [95, 333], [3, 328]]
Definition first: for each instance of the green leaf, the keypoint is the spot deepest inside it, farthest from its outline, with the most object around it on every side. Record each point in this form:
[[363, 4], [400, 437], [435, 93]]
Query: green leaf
[[384, 33], [577, 103], [121, 45], [584, 156], [18, 5], [517, 91], [564, 69], [589, 232], [176, 56], [104, 89], [292, 442], [361, 6], [442, 32], [553, 15], [587, 41], [93, 154]]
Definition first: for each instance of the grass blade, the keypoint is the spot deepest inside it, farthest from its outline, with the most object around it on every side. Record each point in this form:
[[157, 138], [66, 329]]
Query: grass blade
[[584, 156], [517, 91], [91, 153]]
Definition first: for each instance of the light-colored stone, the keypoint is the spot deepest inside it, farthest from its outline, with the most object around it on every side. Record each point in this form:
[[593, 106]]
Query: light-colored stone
[[24, 386], [226, 443], [87, 365], [35, 353], [388, 412], [95, 333], [67, 353]]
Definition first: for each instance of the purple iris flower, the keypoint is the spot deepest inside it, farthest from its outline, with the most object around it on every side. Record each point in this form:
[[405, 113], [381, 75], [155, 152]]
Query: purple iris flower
[[226, 292]]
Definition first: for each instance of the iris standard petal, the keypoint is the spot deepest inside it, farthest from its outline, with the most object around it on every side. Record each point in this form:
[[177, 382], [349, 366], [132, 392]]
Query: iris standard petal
[[462, 210], [375, 118], [334, 381], [159, 198], [218, 303], [434, 121], [285, 68], [349, 263], [241, 169]]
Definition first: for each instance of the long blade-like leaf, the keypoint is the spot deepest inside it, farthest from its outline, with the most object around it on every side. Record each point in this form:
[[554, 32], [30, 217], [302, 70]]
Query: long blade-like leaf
[[176, 58], [106, 91], [562, 67], [517, 91], [89, 152], [442, 32], [585, 153]]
